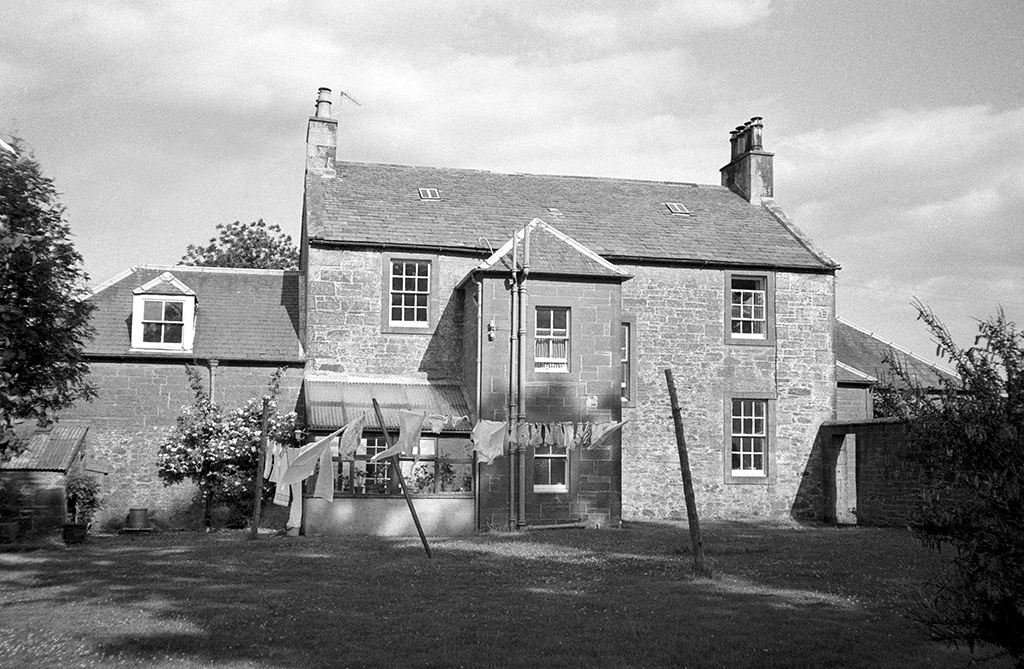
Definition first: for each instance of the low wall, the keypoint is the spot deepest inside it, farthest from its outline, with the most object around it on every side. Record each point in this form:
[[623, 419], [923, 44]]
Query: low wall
[[388, 516]]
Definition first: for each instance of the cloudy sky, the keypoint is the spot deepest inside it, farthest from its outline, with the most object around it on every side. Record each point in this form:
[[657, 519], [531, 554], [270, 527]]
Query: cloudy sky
[[898, 125]]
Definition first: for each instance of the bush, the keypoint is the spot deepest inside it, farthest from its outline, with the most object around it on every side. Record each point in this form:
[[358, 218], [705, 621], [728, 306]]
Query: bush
[[969, 442], [83, 495]]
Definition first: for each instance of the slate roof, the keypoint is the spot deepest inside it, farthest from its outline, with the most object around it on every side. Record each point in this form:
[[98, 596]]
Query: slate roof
[[51, 450], [332, 401], [551, 252], [618, 218], [241, 314], [865, 353]]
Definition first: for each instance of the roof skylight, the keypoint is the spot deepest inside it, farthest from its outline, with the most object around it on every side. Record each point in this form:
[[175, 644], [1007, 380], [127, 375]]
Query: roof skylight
[[429, 194], [677, 208]]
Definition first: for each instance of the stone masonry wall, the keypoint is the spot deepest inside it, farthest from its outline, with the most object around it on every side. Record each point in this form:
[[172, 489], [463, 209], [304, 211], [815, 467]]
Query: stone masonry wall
[[137, 407], [344, 320], [853, 403], [680, 325], [589, 391]]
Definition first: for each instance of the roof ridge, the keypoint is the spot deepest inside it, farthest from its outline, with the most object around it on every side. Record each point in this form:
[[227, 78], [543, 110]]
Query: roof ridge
[[690, 184]]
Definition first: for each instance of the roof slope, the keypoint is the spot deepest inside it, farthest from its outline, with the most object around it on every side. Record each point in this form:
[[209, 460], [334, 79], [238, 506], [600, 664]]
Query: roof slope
[[241, 314], [551, 252], [618, 218], [51, 450], [866, 353]]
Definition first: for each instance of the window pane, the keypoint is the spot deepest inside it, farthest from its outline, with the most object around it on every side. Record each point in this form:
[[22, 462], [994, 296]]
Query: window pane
[[560, 318], [558, 471], [152, 310], [172, 334], [173, 311], [541, 471], [151, 332]]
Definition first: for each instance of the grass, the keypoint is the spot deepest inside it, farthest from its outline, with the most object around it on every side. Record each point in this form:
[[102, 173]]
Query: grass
[[782, 596]]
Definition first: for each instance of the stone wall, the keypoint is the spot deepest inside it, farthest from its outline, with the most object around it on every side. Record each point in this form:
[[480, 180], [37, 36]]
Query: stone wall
[[588, 392], [344, 320], [681, 325], [136, 408]]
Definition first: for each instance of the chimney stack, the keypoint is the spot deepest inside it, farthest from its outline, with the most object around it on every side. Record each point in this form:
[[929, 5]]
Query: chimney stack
[[749, 172], [321, 137]]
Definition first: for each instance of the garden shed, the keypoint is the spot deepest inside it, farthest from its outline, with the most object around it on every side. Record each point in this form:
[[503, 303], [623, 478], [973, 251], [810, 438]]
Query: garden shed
[[33, 481]]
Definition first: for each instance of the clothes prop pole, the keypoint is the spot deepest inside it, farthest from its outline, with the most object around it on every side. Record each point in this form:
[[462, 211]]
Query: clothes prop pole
[[700, 566], [401, 478], [257, 503]]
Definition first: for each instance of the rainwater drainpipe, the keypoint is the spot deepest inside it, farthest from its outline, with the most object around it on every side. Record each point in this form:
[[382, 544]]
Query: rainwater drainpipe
[[512, 524], [521, 396], [213, 364], [479, 379]]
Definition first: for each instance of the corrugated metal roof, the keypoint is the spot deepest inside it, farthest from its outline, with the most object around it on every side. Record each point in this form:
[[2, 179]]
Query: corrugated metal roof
[[51, 450], [332, 402]]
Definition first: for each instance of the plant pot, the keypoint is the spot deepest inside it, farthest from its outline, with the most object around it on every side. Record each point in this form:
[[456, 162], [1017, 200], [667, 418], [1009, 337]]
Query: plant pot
[[74, 533]]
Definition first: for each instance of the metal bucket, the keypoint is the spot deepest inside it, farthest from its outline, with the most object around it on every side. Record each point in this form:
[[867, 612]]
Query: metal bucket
[[138, 519]]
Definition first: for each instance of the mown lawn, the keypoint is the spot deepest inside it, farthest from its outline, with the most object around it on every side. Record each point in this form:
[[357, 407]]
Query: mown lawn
[[782, 596]]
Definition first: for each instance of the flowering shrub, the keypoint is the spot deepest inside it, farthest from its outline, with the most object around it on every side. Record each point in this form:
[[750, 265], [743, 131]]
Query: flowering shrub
[[218, 451]]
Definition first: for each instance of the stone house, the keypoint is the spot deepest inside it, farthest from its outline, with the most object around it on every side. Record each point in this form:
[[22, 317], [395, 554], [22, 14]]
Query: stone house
[[407, 294], [234, 326]]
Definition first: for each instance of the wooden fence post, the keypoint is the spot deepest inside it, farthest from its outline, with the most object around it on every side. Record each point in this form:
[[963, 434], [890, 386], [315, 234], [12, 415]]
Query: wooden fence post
[[700, 566]]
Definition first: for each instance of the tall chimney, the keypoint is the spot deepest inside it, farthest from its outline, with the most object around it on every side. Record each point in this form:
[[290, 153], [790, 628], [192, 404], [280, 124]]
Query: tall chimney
[[321, 137], [749, 172]]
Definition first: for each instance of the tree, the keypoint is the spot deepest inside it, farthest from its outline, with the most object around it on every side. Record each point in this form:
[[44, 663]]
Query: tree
[[218, 450], [254, 245], [969, 445], [44, 320]]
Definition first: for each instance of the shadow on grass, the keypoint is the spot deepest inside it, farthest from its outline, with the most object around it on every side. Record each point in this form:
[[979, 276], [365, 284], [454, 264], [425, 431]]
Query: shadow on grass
[[782, 597]]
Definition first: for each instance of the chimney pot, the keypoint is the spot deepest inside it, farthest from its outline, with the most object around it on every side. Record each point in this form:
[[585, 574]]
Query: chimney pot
[[741, 139], [323, 103], [755, 133]]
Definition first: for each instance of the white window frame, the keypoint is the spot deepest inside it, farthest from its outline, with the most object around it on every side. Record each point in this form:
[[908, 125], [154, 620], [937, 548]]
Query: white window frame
[[550, 456], [552, 334], [743, 299], [749, 435], [403, 292], [188, 315]]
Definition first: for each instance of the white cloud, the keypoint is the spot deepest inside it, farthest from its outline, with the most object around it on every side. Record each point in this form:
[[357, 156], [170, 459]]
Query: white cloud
[[920, 203]]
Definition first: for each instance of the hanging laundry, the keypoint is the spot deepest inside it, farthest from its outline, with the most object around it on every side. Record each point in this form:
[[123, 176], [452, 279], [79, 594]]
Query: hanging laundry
[[536, 435], [583, 434], [602, 432], [409, 430], [279, 463], [281, 492], [324, 488], [295, 508], [569, 435], [557, 439], [302, 465], [435, 423], [350, 436], [488, 438]]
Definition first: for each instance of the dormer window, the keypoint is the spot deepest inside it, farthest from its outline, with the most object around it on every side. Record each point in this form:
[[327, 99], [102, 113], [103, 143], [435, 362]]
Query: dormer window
[[163, 321], [163, 315]]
